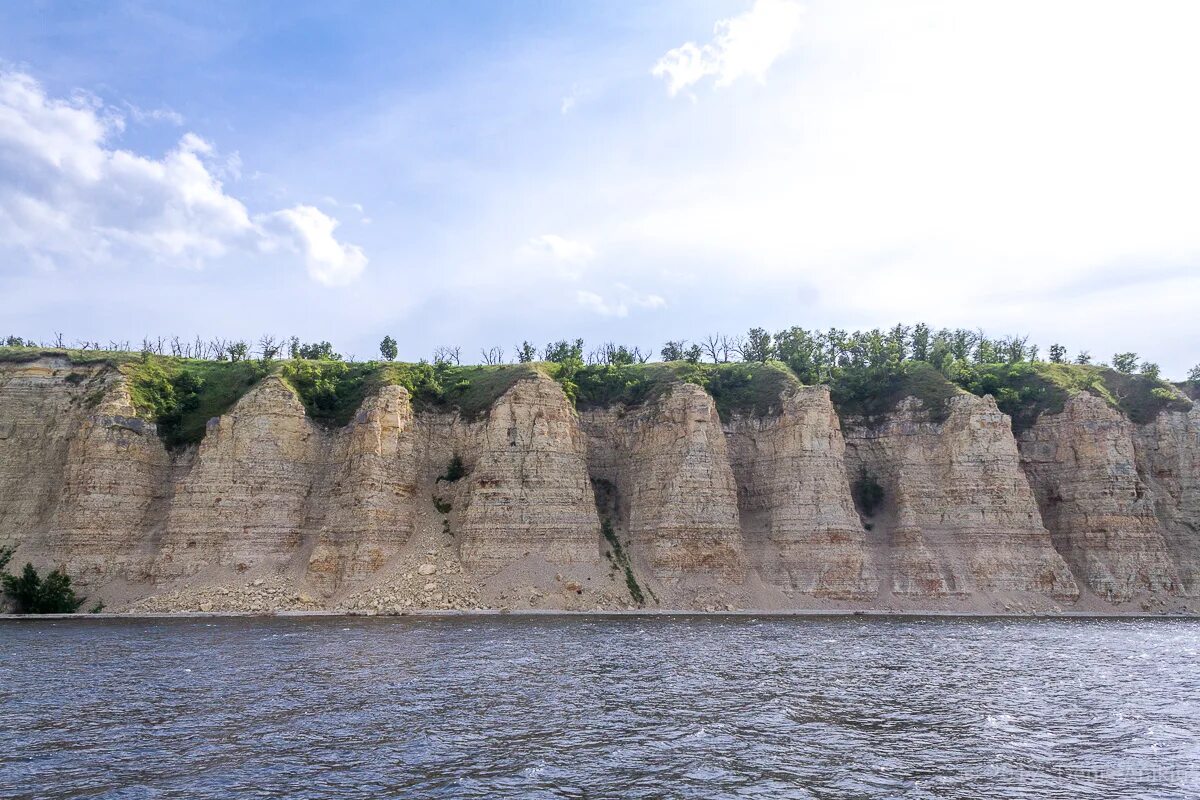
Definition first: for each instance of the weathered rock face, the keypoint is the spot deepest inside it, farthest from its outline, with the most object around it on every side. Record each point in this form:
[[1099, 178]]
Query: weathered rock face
[[244, 501], [115, 494], [367, 494], [528, 492], [1168, 457], [272, 510], [797, 516], [1083, 468], [81, 478], [957, 514], [666, 470]]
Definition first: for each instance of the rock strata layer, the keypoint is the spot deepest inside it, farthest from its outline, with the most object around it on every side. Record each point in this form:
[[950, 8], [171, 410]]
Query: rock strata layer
[[532, 504]]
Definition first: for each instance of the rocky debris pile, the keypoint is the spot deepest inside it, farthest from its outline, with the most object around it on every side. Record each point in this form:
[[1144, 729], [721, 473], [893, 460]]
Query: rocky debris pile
[[435, 584], [261, 595]]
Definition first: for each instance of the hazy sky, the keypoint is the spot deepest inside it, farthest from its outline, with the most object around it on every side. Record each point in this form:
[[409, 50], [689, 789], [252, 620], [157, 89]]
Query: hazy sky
[[480, 173]]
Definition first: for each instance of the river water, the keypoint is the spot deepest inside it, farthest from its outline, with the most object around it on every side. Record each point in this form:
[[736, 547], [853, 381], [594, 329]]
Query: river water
[[599, 707]]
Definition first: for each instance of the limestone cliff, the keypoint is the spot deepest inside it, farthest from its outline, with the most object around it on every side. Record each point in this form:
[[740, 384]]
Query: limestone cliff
[[655, 498], [663, 475], [1168, 458], [956, 515], [797, 516], [528, 489], [1083, 466], [243, 500]]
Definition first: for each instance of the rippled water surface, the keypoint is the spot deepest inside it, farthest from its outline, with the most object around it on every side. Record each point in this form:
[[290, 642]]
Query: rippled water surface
[[599, 707]]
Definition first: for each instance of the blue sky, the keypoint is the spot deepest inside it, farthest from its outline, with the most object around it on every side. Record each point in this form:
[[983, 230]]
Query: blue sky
[[476, 174]]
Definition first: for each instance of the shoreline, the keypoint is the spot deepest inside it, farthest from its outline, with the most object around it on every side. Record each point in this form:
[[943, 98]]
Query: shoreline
[[496, 612]]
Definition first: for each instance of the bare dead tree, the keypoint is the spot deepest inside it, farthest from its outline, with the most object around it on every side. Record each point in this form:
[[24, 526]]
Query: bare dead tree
[[712, 346], [444, 354], [735, 345], [642, 356], [492, 356], [58, 341], [268, 347]]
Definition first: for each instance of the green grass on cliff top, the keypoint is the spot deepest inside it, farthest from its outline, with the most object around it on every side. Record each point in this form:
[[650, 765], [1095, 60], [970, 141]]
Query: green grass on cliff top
[[736, 388], [869, 396], [1027, 390], [333, 391], [181, 395]]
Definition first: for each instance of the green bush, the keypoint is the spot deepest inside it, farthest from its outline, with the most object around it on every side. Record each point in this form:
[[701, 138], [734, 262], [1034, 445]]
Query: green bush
[[621, 559], [29, 593], [870, 393], [181, 395], [454, 471]]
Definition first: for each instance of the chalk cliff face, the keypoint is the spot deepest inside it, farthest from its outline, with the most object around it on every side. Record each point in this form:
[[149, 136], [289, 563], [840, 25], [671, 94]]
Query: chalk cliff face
[[663, 476], [1083, 466], [243, 502], [957, 515], [1168, 458], [528, 493], [660, 503], [367, 498], [797, 516]]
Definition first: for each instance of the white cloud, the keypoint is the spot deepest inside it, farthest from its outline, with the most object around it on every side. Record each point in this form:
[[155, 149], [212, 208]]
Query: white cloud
[[620, 305], [68, 198], [745, 45], [145, 116], [329, 261], [566, 256]]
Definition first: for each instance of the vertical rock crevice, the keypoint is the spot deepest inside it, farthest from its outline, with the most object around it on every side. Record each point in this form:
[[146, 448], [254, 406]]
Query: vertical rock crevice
[[958, 515]]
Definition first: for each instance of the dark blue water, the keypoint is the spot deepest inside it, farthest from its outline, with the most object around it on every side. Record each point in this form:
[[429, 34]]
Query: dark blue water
[[599, 707]]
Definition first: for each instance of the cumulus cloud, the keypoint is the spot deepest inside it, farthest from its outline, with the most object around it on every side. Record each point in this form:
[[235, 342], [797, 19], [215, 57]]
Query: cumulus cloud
[[620, 305], [745, 45], [329, 261], [68, 197]]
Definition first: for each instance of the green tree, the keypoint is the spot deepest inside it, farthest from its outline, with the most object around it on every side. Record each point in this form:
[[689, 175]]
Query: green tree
[[1150, 370], [674, 351], [921, 342], [563, 351], [1058, 354], [239, 350], [1194, 375], [387, 349], [30, 594], [526, 353], [1083, 358], [757, 346], [319, 351], [1125, 362]]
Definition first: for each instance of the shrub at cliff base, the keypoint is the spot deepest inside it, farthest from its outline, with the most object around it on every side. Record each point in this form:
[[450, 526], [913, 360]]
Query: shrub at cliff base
[[29, 593]]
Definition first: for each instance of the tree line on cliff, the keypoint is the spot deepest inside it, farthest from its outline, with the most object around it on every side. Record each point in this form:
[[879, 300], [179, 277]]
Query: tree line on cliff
[[815, 356]]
